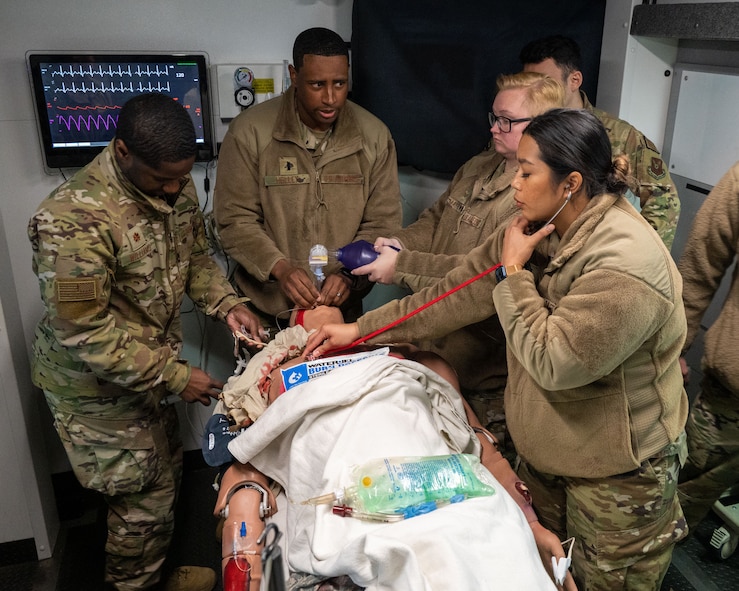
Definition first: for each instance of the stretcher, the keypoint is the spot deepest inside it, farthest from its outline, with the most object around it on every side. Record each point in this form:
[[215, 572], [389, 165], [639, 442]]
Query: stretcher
[[307, 439]]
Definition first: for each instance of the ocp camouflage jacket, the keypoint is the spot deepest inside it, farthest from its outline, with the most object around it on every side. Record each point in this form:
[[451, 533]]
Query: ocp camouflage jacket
[[653, 186], [114, 266]]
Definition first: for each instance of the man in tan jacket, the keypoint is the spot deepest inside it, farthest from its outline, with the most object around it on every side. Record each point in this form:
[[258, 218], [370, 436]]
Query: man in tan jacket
[[308, 167]]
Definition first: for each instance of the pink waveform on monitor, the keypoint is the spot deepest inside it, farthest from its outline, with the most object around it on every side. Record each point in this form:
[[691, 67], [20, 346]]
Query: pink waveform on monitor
[[87, 122]]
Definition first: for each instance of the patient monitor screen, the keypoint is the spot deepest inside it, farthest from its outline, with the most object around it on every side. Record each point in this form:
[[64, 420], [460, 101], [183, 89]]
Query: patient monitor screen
[[78, 98]]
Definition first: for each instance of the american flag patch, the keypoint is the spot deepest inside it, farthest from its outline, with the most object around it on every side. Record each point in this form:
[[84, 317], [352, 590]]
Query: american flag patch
[[75, 290]]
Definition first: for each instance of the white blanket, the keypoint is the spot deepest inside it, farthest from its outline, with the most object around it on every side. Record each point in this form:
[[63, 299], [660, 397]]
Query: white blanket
[[311, 436]]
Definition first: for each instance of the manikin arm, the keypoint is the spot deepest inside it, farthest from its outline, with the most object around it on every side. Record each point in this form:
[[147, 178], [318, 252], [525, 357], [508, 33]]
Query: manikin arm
[[244, 497], [546, 541]]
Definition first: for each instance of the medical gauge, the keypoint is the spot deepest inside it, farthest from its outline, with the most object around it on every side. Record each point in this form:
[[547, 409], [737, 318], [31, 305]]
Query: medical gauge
[[243, 83]]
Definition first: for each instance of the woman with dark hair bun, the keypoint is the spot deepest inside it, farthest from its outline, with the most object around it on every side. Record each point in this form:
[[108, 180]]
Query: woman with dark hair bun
[[591, 305]]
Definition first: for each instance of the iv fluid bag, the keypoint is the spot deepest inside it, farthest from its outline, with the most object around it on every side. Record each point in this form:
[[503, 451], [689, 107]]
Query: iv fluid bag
[[387, 484]]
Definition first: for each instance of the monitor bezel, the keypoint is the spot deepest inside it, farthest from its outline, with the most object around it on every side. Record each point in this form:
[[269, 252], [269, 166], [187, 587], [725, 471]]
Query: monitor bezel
[[56, 158]]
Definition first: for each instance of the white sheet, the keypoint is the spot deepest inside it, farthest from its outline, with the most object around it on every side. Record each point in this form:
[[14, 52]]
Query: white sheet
[[310, 437]]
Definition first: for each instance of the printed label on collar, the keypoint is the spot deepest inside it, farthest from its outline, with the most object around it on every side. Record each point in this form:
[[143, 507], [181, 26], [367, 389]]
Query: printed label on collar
[[287, 179], [288, 166]]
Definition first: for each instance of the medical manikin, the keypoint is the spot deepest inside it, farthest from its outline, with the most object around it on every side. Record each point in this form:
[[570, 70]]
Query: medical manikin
[[245, 497]]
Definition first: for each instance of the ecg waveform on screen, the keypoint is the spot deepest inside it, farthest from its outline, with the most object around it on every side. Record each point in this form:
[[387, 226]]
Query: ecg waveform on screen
[[110, 70], [83, 99], [140, 87], [110, 78]]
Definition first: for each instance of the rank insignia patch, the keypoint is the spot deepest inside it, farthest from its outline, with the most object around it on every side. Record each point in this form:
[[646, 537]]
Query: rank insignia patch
[[288, 166]]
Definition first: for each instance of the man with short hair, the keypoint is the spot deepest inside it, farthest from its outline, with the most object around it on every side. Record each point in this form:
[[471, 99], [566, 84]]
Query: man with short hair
[[308, 167], [653, 192], [116, 248]]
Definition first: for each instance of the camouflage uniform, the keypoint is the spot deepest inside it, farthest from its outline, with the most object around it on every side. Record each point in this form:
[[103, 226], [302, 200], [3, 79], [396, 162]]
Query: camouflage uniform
[[654, 189], [625, 526], [114, 266], [713, 445], [713, 424], [127, 448]]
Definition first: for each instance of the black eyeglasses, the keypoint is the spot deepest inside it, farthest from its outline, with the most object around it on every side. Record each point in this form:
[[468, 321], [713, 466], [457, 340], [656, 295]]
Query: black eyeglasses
[[504, 123]]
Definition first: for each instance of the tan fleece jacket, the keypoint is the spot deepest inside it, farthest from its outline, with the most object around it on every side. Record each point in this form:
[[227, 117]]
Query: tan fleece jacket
[[273, 201], [478, 200], [712, 247], [594, 382]]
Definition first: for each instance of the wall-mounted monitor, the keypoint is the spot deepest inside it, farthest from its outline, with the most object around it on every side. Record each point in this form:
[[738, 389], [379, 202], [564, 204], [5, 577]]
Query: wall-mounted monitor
[[78, 96]]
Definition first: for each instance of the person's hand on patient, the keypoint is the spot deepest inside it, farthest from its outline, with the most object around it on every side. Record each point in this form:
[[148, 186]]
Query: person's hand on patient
[[382, 269], [329, 337], [335, 290], [246, 325], [201, 387]]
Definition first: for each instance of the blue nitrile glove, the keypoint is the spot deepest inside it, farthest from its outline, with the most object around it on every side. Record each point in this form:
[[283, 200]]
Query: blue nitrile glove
[[216, 438]]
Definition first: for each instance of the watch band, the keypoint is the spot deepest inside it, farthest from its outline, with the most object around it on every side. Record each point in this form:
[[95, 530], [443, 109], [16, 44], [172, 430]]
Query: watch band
[[502, 272]]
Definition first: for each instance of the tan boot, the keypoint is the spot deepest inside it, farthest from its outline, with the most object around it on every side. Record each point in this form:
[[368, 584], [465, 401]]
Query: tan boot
[[191, 578]]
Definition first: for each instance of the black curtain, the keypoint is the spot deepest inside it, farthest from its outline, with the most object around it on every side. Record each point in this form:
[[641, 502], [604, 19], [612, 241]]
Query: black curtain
[[427, 68]]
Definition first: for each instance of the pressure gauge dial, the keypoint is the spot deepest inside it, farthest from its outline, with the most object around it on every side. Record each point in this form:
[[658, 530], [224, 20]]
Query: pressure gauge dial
[[244, 97], [243, 77]]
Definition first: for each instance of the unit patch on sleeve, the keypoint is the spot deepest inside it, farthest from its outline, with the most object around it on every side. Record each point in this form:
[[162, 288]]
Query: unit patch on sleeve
[[657, 168]]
